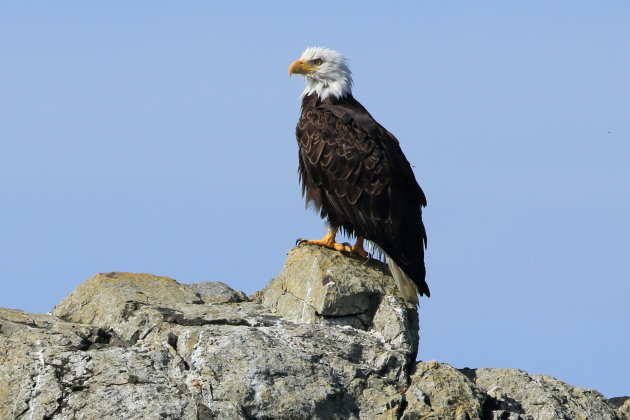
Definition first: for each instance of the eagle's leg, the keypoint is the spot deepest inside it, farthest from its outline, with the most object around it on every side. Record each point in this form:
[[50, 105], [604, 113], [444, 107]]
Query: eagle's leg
[[328, 241], [358, 248]]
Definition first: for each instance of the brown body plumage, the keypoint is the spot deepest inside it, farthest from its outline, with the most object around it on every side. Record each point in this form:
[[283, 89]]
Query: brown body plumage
[[355, 173]]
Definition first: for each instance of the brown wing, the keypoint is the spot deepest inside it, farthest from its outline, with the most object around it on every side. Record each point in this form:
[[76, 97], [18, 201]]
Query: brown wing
[[357, 176]]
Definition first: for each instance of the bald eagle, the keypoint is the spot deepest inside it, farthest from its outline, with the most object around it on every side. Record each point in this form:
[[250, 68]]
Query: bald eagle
[[356, 174]]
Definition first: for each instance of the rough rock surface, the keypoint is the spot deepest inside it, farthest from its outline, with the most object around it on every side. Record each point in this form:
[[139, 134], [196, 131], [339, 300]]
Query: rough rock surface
[[329, 338], [515, 392], [623, 407], [321, 287]]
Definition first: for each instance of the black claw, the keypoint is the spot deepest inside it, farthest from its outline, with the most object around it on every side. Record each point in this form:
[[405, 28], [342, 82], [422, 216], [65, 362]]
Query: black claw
[[300, 241]]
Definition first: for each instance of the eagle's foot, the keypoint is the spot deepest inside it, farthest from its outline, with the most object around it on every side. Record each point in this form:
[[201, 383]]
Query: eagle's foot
[[327, 241], [358, 249], [361, 252]]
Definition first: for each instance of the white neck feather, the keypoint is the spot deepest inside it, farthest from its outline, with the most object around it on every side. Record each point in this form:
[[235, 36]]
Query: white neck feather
[[337, 88]]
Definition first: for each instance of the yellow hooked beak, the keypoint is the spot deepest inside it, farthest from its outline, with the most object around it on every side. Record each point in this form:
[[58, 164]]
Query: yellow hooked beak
[[300, 67]]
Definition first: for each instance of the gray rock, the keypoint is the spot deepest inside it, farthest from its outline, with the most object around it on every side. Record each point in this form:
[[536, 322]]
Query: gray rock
[[520, 395], [128, 345], [329, 338], [217, 292], [55, 369], [318, 285], [439, 391]]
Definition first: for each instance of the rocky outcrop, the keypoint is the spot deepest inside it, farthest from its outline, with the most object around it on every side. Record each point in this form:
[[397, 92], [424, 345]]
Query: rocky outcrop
[[321, 287], [329, 338]]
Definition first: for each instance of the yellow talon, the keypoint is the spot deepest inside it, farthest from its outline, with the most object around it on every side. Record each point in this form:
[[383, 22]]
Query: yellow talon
[[329, 242]]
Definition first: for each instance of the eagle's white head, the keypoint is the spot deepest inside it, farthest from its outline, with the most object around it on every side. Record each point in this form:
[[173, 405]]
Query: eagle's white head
[[325, 71]]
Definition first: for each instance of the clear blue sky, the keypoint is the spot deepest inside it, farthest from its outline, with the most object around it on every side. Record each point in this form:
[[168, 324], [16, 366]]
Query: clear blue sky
[[159, 137]]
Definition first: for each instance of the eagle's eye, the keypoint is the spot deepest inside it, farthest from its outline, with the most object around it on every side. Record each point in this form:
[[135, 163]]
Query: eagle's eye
[[317, 61]]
